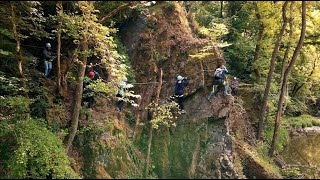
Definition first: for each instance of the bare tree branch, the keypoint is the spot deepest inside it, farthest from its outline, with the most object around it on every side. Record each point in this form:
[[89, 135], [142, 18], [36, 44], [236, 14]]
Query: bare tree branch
[[113, 12]]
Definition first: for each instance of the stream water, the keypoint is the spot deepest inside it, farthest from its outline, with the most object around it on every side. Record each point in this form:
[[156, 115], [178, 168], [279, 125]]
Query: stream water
[[304, 153]]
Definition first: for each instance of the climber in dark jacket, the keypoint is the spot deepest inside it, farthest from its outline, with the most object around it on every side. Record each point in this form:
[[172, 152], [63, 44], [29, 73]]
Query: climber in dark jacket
[[87, 92], [234, 86], [47, 58], [180, 84]]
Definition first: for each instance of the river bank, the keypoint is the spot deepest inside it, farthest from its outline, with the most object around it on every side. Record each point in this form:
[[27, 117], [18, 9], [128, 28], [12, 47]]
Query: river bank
[[307, 131], [300, 153]]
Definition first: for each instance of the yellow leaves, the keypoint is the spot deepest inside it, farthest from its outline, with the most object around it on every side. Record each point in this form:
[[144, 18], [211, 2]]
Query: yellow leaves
[[163, 114], [217, 30]]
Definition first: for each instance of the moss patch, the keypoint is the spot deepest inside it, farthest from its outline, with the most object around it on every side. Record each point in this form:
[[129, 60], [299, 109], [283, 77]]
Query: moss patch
[[256, 164]]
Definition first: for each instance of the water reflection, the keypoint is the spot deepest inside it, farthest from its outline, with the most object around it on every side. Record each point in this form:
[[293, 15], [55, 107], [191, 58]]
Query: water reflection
[[304, 151]]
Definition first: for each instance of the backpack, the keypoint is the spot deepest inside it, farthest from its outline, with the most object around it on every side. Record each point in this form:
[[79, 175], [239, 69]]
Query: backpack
[[218, 73], [40, 61]]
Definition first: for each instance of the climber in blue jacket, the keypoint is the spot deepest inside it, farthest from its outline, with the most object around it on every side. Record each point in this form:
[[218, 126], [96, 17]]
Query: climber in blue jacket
[[180, 84]]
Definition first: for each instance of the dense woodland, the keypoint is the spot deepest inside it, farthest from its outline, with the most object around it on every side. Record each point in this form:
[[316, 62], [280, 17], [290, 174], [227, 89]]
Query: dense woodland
[[272, 47]]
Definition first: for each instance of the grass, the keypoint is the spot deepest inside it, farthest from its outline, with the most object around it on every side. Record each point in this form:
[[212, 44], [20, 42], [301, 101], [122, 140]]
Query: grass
[[283, 136], [302, 121], [260, 154]]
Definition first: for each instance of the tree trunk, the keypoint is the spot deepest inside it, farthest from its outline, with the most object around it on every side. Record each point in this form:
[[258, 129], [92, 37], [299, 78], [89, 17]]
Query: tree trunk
[[18, 49], [256, 56], [285, 80], [17, 39], [151, 129], [284, 60], [271, 70], [258, 47], [115, 11], [221, 9], [149, 150], [59, 9], [78, 94]]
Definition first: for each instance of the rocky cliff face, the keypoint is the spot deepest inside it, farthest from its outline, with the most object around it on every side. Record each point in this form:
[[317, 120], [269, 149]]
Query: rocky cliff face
[[200, 146], [207, 141]]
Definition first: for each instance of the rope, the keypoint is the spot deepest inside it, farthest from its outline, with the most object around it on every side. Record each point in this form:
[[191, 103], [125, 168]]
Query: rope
[[133, 83], [92, 65], [145, 83], [32, 46]]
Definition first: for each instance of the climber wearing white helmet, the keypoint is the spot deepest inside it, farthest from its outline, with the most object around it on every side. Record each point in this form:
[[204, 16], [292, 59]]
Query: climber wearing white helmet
[[179, 78], [122, 88], [47, 58], [234, 86], [48, 45], [180, 84]]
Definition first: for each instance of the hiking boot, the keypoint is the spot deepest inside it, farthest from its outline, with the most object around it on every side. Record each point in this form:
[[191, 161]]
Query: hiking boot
[[209, 99], [183, 111]]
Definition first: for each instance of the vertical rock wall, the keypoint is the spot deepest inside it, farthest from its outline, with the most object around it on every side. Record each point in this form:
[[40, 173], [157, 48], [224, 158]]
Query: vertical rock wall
[[200, 146]]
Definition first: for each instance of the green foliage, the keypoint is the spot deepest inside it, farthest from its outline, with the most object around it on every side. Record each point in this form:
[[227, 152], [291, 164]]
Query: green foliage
[[105, 7], [239, 55], [14, 107], [161, 59], [272, 105], [283, 136], [7, 44], [291, 172], [142, 142], [130, 118], [215, 31], [244, 29], [295, 106], [78, 26], [39, 102], [8, 54], [205, 11], [28, 18], [39, 153], [7, 144], [72, 77], [126, 63], [10, 85], [260, 153], [304, 81], [302, 121], [163, 114]]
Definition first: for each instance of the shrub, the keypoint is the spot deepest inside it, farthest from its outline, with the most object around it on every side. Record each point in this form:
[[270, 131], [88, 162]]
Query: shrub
[[295, 107], [9, 85], [130, 118], [39, 153], [126, 63], [14, 107]]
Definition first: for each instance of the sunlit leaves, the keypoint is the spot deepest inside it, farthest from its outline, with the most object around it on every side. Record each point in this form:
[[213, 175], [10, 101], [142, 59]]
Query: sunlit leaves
[[29, 18], [163, 114], [99, 37]]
